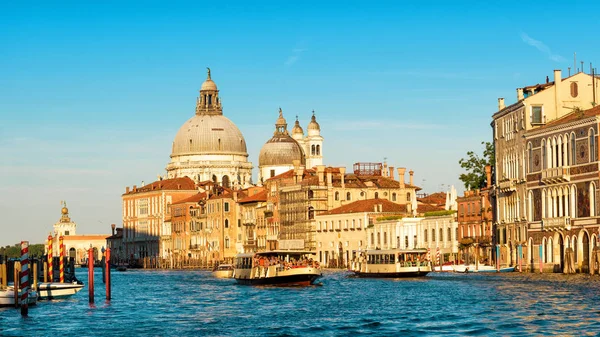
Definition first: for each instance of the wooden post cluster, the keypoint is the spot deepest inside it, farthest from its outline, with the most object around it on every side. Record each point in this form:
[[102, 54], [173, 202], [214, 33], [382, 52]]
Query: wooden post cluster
[[91, 274], [107, 281], [62, 260]]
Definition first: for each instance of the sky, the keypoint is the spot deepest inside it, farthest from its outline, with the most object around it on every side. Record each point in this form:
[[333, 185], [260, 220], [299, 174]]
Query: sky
[[92, 94]]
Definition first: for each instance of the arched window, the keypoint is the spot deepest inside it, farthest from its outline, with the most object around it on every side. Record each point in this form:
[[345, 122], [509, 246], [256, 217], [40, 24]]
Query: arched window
[[545, 253], [337, 196], [214, 178], [310, 194], [408, 197], [574, 89], [575, 248], [425, 235], [593, 148], [348, 196], [226, 242], [393, 196], [544, 163], [592, 199], [226, 223], [225, 181], [372, 239], [311, 213], [441, 234], [530, 157], [449, 238], [313, 150], [550, 251], [376, 195], [573, 150], [318, 150]]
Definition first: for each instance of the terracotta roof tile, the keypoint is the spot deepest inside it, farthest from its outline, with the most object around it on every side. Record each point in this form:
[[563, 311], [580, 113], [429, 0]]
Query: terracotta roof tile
[[573, 116], [184, 183], [368, 206], [422, 208], [194, 198], [260, 196]]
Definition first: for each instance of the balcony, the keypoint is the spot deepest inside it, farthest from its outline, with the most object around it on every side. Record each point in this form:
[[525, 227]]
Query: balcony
[[556, 175], [507, 185], [555, 224], [250, 242]]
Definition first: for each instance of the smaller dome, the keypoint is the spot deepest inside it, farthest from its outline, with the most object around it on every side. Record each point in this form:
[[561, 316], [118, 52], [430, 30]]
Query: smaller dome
[[281, 120], [313, 125], [281, 150], [297, 129], [208, 85]]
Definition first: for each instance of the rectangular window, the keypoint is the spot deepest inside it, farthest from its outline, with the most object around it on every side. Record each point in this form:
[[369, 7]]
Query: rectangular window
[[536, 115], [226, 207]]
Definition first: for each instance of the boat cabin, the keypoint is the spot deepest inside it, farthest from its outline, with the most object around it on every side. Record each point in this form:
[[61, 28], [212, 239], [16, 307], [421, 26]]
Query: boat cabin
[[287, 257], [413, 257]]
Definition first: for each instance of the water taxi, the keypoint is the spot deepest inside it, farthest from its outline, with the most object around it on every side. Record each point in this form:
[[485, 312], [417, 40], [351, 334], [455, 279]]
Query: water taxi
[[223, 270], [392, 263], [50, 290], [278, 267], [7, 296]]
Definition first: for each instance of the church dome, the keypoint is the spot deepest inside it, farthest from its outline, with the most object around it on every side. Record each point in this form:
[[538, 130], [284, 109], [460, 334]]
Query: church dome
[[297, 129], [208, 85], [313, 125], [209, 134], [280, 150]]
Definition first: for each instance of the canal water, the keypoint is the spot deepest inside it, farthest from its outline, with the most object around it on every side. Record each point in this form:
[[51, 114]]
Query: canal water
[[192, 303]]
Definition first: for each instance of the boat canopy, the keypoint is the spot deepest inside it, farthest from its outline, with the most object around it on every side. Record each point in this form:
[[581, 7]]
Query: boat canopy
[[395, 251]]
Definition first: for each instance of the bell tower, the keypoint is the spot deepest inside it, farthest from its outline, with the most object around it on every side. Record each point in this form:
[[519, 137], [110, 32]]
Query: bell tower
[[208, 102]]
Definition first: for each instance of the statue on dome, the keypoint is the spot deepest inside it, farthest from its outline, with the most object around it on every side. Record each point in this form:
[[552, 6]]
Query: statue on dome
[[207, 68]]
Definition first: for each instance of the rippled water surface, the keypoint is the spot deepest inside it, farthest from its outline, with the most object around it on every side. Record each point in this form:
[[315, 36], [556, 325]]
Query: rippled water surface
[[192, 303]]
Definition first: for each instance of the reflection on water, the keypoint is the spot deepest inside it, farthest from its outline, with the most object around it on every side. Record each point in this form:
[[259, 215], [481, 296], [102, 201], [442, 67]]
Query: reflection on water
[[192, 303]]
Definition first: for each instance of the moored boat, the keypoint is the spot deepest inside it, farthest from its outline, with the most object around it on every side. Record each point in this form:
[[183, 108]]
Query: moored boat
[[223, 270], [461, 268], [50, 290], [278, 268], [392, 263], [7, 297]]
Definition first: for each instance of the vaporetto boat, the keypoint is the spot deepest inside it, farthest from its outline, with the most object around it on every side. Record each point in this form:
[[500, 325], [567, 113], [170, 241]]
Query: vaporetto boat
[[278, 268], [392, 263]]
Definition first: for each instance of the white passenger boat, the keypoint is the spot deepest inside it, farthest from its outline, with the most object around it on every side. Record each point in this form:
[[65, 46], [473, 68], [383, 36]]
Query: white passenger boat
[[224, 270], [279, 268], [392, 263], [7, 297], [461, 268], [50, 290]]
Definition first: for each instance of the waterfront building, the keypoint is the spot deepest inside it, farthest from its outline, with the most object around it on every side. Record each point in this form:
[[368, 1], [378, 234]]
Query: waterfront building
[[209, 146], [188, 218], [224, 223], [343, 232], [253, 209], [562, 194], [279, 153], [439, 232], [76, 245], [475, 220], [147, 216], [536, 106], [115, 243]]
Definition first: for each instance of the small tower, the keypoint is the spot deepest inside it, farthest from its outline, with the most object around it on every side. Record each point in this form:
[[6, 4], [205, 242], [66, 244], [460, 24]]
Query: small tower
[[297, 132], [64, 226], [313, 144]]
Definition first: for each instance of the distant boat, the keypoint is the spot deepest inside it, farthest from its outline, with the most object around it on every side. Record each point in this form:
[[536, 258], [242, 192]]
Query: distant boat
[[482, 268], [121, 268], [7, 297], [393, 263], [50, 290], [223, 271], [277, 268]]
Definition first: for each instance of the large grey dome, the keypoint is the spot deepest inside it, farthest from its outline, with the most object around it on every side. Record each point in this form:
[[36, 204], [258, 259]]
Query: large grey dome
[[280, 150], [209, 134]]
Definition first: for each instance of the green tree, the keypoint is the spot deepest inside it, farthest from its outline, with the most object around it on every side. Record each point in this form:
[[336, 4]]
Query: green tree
[[475, 165]]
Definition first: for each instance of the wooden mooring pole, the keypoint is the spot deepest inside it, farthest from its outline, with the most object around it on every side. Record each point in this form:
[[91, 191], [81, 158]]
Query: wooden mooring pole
[[24, 278], [91, 274], [107, 274]]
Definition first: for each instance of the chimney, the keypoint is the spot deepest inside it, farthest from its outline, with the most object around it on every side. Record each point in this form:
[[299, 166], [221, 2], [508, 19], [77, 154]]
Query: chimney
[[401, 172], [112, 226], [342, 176], [411, 172], [519, 94], [320, 174], [135, 188], [385, 169], [300, 173], [392, 172], [488, 174], [127, 189], [500, 103], [329, 178], [557, 91]]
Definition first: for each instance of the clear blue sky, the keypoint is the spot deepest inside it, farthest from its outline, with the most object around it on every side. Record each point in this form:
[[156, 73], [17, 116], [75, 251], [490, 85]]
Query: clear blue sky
[[91, 95]]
